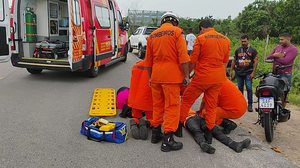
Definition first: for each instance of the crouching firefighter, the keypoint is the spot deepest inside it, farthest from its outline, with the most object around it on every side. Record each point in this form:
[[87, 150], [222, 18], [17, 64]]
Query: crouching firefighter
[[168, 66], [231, 105], [140, 100], [196, 126]]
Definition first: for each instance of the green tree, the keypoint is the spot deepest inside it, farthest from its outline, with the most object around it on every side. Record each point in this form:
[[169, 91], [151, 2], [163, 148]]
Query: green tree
[[256, 19], [264, 17]]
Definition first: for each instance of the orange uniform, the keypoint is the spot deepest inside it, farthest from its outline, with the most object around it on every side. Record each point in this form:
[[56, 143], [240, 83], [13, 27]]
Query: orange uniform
[[140, 96], [231, 103], [211, 52], [166, 51]]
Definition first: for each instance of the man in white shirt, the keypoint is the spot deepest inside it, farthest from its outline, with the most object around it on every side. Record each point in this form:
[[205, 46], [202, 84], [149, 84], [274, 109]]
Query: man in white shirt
[[190, 40]]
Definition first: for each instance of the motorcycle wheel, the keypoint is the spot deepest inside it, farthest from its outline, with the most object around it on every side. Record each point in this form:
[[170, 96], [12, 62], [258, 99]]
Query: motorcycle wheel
[[269, 126]]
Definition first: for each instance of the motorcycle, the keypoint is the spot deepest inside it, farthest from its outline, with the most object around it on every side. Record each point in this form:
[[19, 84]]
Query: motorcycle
[[272, 93]]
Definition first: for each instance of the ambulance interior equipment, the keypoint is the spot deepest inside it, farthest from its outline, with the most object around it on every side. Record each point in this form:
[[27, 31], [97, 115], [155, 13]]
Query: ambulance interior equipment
[[46, 30]]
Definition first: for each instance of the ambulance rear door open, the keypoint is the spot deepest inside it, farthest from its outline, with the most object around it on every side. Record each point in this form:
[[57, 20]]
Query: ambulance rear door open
[[5, 51], [114, 30], [75, 34]]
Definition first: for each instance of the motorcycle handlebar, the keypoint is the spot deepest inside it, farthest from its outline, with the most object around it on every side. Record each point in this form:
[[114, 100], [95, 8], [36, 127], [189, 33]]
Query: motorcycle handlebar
[[259, 76], [269, 61], [277, 68], [283, 66]]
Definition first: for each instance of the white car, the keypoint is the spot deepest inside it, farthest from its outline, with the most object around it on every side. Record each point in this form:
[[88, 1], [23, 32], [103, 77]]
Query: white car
[[138, 40]]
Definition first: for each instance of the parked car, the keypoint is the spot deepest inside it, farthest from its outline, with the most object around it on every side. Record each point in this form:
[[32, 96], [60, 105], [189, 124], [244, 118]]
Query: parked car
[[138, 40]]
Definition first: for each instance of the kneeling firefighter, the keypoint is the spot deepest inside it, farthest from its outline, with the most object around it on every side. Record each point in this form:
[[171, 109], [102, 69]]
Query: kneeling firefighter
[[168, 66], [231, 105], [140, 100]]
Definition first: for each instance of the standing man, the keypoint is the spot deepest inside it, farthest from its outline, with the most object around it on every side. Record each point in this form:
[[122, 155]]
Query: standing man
[[190, 41], [168, 66], [209, 57], [245, 64], [284, 54]]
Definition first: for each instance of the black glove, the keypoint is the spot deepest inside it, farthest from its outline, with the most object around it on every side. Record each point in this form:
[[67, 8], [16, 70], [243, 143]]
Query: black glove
[[126, 112]]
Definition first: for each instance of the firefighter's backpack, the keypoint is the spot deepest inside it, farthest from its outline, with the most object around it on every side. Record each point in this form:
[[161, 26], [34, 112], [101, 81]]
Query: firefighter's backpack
[[118, 134]]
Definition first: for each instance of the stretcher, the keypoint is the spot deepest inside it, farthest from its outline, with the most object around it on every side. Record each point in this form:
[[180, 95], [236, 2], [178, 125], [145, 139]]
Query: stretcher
[[103, 103], [51, 49]]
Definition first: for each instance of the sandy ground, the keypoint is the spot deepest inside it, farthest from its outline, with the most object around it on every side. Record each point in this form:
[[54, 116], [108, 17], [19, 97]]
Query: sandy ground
[[286, 136]]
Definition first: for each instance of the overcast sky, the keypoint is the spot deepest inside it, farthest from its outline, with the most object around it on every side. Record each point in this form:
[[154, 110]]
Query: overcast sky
[[219, 9], [189, 8]]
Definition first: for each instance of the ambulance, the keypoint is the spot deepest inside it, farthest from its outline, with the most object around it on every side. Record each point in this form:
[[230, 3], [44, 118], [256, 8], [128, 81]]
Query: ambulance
[[72, 35]]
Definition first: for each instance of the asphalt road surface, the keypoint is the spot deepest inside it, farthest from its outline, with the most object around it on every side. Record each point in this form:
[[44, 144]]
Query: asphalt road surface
[[41, 116]]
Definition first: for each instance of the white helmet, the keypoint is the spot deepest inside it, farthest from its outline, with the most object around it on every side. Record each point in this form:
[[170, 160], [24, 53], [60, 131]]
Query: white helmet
[[169, 16]]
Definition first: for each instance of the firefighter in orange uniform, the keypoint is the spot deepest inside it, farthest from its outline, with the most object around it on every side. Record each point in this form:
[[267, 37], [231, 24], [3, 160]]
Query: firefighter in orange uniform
[[231, 105], [209, 57], [140, 100], [168, 66]]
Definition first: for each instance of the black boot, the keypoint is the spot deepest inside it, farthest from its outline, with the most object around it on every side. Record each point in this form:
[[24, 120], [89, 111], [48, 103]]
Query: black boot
[[135, 131], [193, 126], [239, 146], [208, 135], [156, 135], [178, 132], [169, 144], [236, 146], [205, 147], [228, 126], [250, 109], [143, 129]]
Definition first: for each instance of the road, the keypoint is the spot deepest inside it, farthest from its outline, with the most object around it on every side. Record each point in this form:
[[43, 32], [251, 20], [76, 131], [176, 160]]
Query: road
[[41, 117]]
